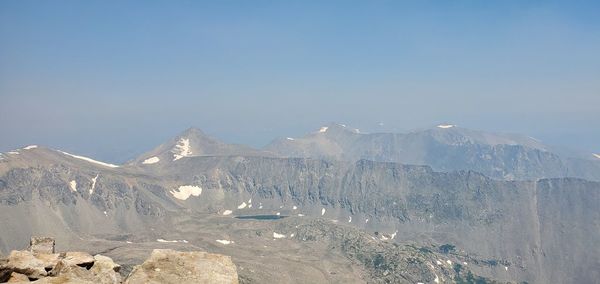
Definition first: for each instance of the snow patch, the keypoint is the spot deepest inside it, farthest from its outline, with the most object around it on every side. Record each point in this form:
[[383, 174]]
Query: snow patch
[[438, 262], [73, 186], [227, 212], [294, 207], [30, 147], [446, 126], [182, 149], [322, 211], [278, 236], [278, 213], [185, 191], [93, 184], [243, 205], [367, 220], [90, 160], [596, 155], [323, 129], [173, 241], [105, 213], [300, 215], [13, 153], [224, 242], [436, 280], [449, 262], [150, 161], [394, 234], [506, 268], [290, 138], [350, 219]]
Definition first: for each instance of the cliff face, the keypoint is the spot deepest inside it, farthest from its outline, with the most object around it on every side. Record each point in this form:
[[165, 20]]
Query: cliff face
[[535, 231]]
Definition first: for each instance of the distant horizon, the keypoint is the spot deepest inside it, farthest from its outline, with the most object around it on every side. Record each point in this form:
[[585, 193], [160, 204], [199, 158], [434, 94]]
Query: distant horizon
[[112, 158], [110, 78]]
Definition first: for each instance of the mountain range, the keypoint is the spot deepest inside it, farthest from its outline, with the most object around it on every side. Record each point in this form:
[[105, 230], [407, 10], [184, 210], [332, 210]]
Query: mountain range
[[354, 207]]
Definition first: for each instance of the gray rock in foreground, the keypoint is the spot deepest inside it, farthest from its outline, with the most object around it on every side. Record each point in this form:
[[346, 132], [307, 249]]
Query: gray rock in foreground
[[169, 266]]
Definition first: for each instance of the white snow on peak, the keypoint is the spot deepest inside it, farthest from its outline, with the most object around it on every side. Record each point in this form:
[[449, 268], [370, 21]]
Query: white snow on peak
[[30, 147], [90, 160], [150, 161], [278, 236], [446, 126], [596, 155], [182, 149], [322, 211], [290, 138], [243, 205], [323, 129], [173, 241], [93, 184], [185, 191], [224, 242], [73, 186], [227, 212], [13, 153]]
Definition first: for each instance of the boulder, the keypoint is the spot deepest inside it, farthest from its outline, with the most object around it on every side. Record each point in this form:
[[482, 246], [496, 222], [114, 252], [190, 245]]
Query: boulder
[[33, 265], [18, 278], [81, 259], [41, 245], [105, 270], [169, 266], [69, 274]]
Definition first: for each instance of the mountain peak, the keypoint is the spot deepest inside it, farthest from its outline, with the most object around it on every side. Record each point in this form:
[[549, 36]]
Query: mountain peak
[[191, 143]]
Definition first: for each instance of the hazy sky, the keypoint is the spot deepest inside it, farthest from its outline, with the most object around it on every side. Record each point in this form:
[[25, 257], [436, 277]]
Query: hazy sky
[[110, 79]]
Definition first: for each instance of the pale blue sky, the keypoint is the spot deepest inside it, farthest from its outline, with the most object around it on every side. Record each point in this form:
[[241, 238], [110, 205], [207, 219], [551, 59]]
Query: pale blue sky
[[109, 79]]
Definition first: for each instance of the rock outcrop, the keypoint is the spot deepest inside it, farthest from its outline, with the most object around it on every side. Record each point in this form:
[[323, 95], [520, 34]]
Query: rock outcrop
[[41, 265], [41, 245], [169, 266], [163, 266]]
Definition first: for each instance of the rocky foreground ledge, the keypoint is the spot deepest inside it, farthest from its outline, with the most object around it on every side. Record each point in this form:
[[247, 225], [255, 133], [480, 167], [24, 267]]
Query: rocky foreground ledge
[[41, 264]]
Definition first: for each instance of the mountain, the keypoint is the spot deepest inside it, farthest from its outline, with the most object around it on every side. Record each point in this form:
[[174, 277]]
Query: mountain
[[344, 221], [191, 143], [444, 148]]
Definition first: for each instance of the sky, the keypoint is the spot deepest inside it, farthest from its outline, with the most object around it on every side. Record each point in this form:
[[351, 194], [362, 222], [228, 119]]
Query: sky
[[112, 79]]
